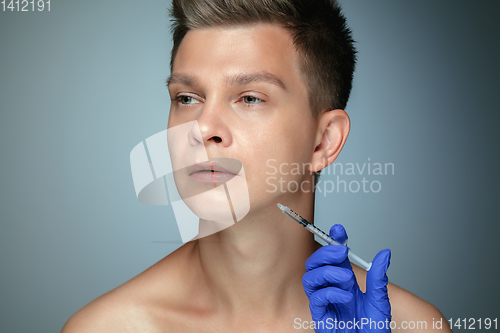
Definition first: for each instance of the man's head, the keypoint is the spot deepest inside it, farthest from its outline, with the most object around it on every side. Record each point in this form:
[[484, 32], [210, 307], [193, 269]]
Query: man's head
[[319, 32], [246, 86]]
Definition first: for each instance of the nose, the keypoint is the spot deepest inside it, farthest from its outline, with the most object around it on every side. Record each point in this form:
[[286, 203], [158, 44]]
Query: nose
[[212, 126]]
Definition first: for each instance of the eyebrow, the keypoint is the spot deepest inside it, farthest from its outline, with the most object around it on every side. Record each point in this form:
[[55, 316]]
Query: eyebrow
[[239, 79], [242, 79], [182, 79]]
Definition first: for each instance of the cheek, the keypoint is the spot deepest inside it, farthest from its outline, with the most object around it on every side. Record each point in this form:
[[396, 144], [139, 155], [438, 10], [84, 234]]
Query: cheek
[[282, 156], [296, 145], [172, 120], [281, 140]]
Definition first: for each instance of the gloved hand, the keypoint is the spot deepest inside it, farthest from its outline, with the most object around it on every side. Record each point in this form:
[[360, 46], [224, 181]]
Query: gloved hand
[[335, 300]]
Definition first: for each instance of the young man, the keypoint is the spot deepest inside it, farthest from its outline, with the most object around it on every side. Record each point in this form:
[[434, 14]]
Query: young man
[[263, 80]]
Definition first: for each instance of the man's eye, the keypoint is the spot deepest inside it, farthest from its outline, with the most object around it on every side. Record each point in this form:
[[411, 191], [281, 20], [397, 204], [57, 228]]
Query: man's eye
[[188, 100], [251, 100]]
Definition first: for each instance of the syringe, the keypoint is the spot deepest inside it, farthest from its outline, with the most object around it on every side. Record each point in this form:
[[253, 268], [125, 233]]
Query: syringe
[[315, 230]]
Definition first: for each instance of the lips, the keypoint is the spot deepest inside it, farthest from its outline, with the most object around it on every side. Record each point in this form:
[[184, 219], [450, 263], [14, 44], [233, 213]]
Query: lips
[[214, 171], [210, 167]]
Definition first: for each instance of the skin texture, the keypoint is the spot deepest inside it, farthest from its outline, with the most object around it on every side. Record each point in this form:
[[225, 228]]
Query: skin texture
[[246, 278]]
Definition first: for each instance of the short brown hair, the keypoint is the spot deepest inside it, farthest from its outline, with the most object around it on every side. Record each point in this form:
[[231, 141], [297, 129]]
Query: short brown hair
[[319, 30]]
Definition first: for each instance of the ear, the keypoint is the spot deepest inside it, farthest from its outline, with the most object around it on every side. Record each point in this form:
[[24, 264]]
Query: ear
[[333, 129]]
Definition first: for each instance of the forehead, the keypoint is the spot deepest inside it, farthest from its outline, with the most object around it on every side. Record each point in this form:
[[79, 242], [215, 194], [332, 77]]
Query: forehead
[[218, 52]]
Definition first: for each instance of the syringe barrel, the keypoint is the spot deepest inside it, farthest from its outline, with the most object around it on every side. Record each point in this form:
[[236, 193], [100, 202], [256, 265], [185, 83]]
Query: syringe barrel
[[321, 234], [352, 257], [358, 261]]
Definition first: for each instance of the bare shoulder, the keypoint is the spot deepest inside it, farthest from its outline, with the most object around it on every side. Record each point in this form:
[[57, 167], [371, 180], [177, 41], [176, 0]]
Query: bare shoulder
[[127, 308], [142, 304], [409, 312], [111, 312]]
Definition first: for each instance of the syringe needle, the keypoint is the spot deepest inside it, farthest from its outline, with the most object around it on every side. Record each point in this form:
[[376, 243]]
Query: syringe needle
[[318, 232]]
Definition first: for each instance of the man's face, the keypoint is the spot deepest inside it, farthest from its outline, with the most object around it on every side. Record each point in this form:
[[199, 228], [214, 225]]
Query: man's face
[[242, 86]]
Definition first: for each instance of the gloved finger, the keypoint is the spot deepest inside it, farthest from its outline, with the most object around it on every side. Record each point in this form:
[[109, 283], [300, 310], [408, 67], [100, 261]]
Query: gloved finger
[[319, 300], [338, 233], [327, 255], [376, 282], [327, 276]]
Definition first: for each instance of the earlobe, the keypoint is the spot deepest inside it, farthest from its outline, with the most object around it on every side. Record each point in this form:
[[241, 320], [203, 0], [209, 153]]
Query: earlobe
[[333, 130]]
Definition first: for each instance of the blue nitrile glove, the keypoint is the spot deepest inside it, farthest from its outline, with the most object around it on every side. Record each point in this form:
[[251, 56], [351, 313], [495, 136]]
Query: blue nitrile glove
[[336, 302]]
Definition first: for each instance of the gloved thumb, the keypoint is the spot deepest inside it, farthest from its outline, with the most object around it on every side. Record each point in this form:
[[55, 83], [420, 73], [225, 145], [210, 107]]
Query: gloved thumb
[[376, 282], [337, 232]]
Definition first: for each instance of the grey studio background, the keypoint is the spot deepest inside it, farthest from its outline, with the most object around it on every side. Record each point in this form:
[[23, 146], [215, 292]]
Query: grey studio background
[[81, 85]]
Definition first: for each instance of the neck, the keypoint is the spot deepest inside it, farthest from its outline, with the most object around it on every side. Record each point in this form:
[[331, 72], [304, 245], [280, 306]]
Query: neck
[[257, 264]]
